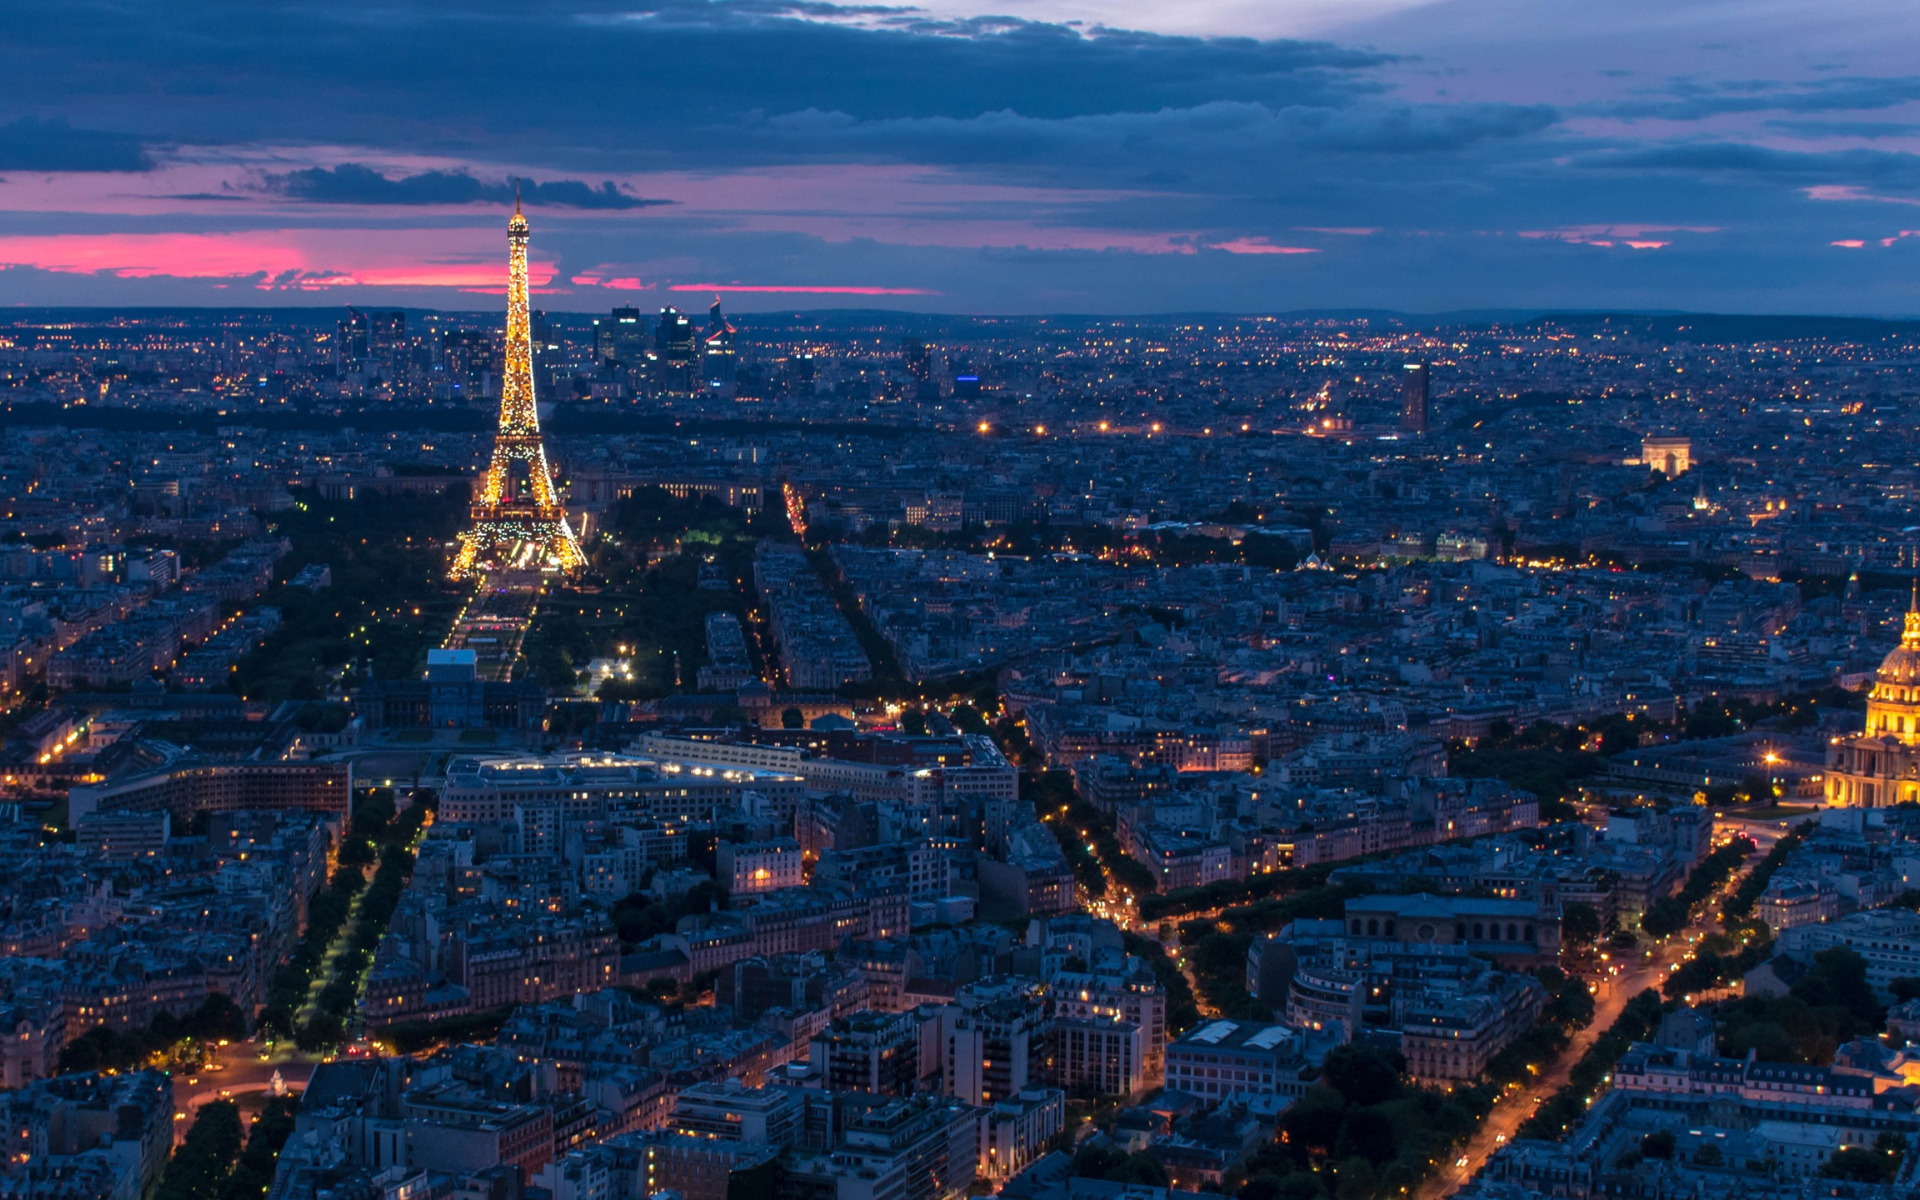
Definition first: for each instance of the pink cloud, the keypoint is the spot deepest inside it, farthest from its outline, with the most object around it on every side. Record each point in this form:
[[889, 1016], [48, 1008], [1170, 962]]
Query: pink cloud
[[620, 283], [1606, 236], [1846, 192], [961, 233], [893, 204], [1343, 230], [811, 291], [1258, 245], [1848, 243], [281, 259]]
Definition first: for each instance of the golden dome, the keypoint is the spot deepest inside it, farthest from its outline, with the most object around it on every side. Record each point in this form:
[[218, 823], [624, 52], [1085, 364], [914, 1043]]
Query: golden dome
[[1903, 664]]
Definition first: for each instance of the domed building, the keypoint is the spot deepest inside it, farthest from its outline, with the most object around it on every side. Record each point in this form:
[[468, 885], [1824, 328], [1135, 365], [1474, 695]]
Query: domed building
[[1880, 767]]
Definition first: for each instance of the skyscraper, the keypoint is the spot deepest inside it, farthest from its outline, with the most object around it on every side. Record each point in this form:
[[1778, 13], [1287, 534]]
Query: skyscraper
[[720, 360], [387, 341], [518, 523], [918, 364], [471, 359], [374, 337], [676, 349], [620, 338], [352, 346], [1414, 405]]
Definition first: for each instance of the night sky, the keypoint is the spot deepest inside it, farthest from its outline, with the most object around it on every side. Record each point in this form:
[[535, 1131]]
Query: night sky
[[1017, 156]]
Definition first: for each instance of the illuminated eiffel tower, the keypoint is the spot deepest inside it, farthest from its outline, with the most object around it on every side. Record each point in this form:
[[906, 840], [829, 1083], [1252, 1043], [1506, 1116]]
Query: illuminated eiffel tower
[[518, 523]]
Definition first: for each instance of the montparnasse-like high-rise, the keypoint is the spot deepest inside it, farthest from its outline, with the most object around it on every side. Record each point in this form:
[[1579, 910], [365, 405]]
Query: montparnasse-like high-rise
[[518, 522]]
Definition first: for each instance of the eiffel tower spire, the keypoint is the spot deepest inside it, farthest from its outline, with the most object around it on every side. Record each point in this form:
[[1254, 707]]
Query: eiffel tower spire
[[517, 517]]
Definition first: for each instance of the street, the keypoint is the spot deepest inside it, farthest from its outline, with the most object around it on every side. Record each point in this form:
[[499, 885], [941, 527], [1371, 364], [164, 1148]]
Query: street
[[1516, 1105]]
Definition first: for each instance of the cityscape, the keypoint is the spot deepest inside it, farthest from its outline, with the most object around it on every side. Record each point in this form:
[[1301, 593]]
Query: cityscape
[[504, 729]]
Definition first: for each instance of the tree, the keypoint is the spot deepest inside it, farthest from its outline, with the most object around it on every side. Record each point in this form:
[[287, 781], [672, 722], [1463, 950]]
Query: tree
[[1092, 1161], [1366, 1133], [1580, 923], [1572, 1005], [1302, 1185], [1140, 1169], [1263, 1186], [705, 896], [1356, 1180], [253, 1174], [199, 1168], [1314, 1121], [1364, 1074], [792, 718], [639, 917], [1658, 1144], [1117, 1166], [1839, 980], [967, 719], [1664, 917], [1861, 1165]]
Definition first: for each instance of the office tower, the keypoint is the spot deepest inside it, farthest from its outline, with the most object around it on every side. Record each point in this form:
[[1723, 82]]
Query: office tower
[[676, 349], [621, 338], [471, 359], [673, 336], [719, 357], [353, 339], [796, 377], [517, 519], [1414, 404], [387, 341], [916, 360]]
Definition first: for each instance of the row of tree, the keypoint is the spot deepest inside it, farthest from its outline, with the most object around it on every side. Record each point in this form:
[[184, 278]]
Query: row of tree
[[1670, 914], [377, 832], [334, 1006], [326, 913], [1568, 1104], [211, 1164]]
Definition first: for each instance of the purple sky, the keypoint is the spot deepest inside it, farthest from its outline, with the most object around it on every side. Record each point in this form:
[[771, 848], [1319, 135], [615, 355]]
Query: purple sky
[[1063, 156]]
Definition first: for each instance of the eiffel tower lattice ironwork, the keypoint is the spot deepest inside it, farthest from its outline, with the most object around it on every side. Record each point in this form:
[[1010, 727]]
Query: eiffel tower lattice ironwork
[[518, 521]]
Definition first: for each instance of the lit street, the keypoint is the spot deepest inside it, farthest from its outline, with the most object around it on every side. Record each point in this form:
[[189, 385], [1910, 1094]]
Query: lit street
[[1614, 991]]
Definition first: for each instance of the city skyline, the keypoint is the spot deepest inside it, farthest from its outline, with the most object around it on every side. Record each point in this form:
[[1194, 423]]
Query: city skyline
[[1243, 600], [1071, 157]]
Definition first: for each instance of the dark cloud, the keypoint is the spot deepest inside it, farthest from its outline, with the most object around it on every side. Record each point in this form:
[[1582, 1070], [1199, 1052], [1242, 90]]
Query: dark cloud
[[1689, 100], [1220, 146], [1182, 140], [572, 193], [30, 145], [618, 83], [1794, 168], [1846, 129], [354, 183]]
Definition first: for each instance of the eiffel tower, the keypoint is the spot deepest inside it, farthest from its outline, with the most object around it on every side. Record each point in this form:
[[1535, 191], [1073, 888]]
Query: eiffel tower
[[518, 523]]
